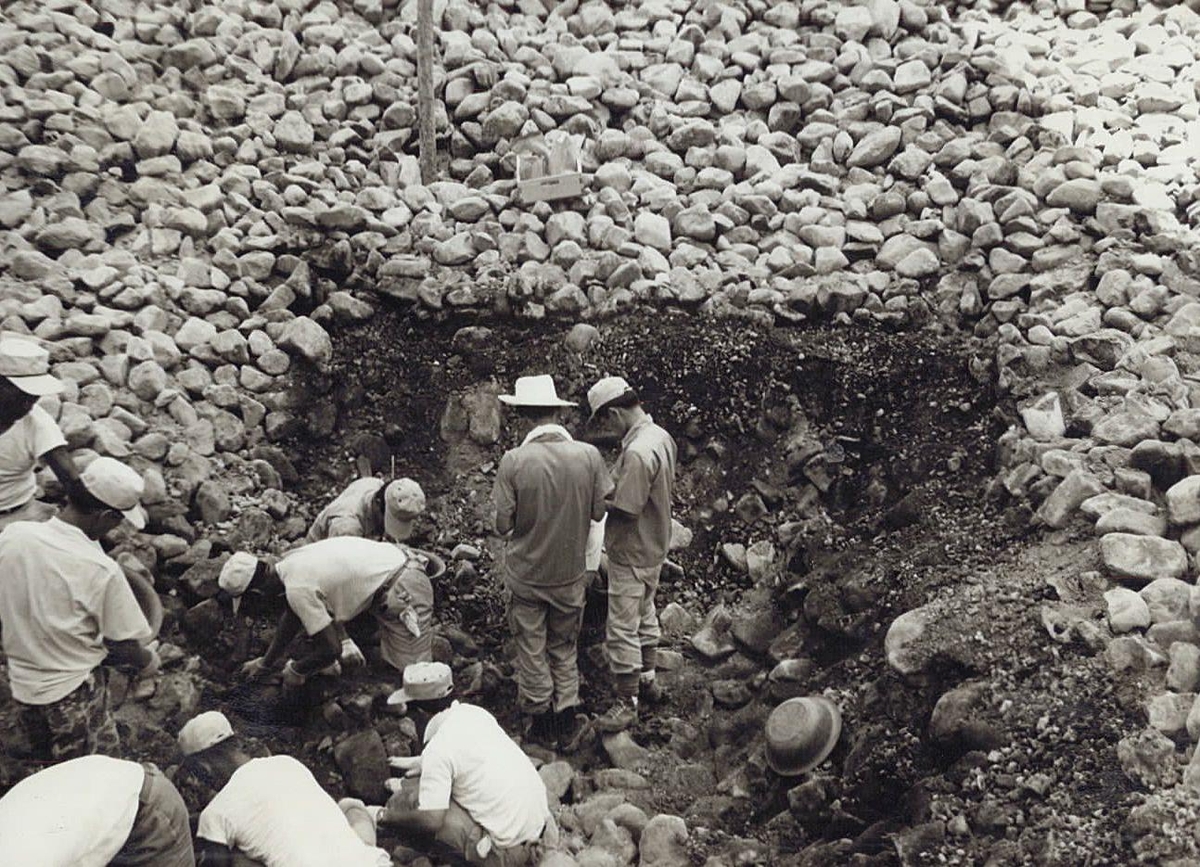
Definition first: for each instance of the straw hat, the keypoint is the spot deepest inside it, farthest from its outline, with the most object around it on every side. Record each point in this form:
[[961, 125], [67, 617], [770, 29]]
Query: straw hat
[[801, 733], [534, 391]]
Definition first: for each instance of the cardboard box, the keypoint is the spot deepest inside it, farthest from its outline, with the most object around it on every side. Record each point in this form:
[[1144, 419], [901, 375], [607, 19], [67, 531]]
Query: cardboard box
[[549, 168]]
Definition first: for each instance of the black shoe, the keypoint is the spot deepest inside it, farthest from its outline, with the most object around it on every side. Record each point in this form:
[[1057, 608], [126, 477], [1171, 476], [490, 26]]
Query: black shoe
[[650, 691], [570, 727], [543, 730], [621, 714]]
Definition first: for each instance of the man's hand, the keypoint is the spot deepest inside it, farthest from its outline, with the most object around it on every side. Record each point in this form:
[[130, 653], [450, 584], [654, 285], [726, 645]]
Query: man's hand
[[255, 668], [411, 765], [351, 654], [153, 665]]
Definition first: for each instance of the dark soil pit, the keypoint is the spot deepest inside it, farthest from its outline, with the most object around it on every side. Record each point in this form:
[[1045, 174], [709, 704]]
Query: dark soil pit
[[864, 457]]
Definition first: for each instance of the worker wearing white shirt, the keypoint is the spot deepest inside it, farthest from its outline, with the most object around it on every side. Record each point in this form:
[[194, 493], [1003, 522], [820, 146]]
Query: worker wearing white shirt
[[95, 811], [271, 810], [67, 610], [331, 582], [478, 795], [28, 434]]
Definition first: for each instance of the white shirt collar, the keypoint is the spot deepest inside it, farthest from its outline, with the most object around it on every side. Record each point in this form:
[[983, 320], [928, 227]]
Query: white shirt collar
[[543, 429]]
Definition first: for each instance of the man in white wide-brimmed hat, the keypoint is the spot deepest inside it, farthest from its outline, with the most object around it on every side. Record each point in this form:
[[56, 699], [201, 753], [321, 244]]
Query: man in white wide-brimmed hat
[[547, 493], [67, 611], [28, 433]]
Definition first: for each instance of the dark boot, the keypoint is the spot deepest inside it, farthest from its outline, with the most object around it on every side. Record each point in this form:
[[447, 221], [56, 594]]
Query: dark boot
[[570, 724], [543, 731]]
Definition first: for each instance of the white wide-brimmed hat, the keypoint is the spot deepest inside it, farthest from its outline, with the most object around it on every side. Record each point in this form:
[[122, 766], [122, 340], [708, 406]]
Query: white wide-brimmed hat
[[27, 366], [535, 391]]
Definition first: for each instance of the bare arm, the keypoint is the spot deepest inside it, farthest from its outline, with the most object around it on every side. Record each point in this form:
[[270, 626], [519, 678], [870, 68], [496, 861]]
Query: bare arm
[[426, 823], [210, 854], [61, 463], [328, 648], [289, 627], [127, 654]]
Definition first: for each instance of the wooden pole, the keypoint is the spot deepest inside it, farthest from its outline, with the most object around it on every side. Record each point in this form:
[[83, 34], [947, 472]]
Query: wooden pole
[[427, 140]]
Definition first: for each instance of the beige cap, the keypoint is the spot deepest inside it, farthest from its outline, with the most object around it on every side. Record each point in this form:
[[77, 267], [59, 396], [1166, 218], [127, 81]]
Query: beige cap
[[236, 575], [116, 486], [26, 364], [204, 731], [403, 501], [424, 681], [606, 391]]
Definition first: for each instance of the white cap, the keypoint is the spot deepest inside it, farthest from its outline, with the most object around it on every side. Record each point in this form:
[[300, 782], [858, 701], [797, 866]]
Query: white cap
[[424, 681], [236, 575], [606, 391], [116, 486], [26, 364], [204, 731], [403, 501]]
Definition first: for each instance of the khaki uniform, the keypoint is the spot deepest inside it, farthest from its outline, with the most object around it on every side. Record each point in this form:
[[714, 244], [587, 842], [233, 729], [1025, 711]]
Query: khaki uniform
[[637, 537], [547, 492]]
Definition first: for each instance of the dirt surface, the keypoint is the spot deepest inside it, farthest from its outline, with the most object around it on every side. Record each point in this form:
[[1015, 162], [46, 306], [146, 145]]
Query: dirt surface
[[905, 519], [901, 516]]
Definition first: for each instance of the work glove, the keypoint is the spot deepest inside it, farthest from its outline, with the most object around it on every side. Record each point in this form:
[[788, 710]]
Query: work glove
[[351, 655], [255, 668], [152, 667], [292, 677]]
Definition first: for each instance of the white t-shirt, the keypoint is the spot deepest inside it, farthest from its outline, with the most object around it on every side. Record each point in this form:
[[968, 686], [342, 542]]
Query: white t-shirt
[[471, 760], [21, 445], [75, 814], [357, 502], [61, 596], [335, 579], [274, 811]]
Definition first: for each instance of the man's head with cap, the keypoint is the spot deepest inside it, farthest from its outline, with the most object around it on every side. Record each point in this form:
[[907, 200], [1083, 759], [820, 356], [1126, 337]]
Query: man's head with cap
[[428, 685], [403, 503], [203, 731], [211, 752], [107, 492], [236, 575], [25, 363], [614, 404]]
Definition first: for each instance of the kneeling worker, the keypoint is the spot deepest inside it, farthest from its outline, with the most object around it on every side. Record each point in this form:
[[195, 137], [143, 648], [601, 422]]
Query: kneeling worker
[[271, 810], [371, 509], [329, 583], [478, 795], [95, 811]]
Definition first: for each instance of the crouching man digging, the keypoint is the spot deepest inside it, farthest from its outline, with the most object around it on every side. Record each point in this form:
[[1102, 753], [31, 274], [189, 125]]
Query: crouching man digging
[[326, 585], [271, 812], [476, 796]]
